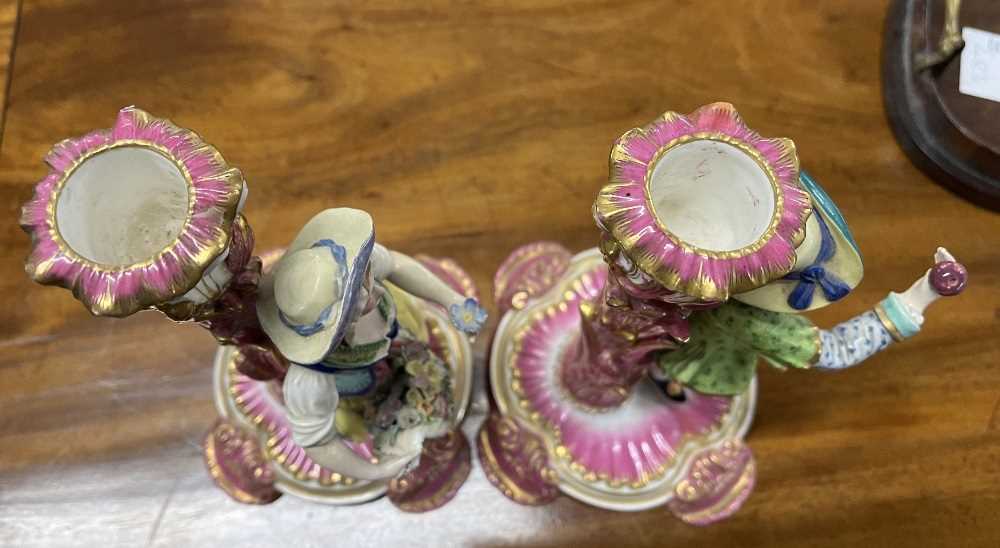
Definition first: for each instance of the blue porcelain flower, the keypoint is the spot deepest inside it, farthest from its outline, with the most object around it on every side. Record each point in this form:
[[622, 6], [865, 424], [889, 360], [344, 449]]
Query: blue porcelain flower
[[468, 317]]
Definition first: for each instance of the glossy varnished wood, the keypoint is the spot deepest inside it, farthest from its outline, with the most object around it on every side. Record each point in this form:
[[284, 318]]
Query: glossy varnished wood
[[467, 129], [8, 27]]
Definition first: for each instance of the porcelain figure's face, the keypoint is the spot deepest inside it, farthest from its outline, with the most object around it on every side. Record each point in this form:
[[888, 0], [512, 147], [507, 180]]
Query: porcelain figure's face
[[368, 295], [371, 291]]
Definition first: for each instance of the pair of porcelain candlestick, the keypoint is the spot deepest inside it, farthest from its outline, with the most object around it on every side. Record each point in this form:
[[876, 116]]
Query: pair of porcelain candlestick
[[623, 376]]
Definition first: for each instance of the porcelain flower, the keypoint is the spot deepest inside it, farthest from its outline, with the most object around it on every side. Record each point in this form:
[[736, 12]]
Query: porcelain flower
[[469, 317], [213, 195], [624, 206], [425, 373]]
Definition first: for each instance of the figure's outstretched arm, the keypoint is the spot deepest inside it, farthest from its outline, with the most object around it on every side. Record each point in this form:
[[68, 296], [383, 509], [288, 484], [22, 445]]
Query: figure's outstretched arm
[[413, 278], [898, 317], [853, 341]]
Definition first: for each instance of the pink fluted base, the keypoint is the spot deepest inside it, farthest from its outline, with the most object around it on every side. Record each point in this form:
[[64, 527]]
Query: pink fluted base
[[646, 452]]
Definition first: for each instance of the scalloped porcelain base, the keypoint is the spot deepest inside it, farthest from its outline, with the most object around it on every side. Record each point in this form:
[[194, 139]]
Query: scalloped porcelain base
[[647, 452], [254, 427]]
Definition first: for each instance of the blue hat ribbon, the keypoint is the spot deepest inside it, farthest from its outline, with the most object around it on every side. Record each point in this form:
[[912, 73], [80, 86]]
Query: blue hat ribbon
[[816, 275]]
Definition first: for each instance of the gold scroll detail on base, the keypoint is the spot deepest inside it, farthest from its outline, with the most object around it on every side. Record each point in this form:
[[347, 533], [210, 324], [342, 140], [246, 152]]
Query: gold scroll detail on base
[[516, 462], [445, 463]]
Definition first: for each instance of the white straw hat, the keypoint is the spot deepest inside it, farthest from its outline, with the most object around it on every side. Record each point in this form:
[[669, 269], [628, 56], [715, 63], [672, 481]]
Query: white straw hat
[[305, 302]]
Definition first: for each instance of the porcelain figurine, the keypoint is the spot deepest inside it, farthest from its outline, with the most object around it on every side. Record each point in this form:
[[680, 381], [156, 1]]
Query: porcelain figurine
[[624, 376], [344, 368]]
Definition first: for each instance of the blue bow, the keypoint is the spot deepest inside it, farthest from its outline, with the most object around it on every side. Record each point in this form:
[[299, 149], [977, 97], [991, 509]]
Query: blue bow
[[833, 287]]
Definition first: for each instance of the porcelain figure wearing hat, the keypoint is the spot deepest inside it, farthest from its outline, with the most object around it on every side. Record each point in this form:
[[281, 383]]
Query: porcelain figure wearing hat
[[339, 377], [329, 313], [624, 376]]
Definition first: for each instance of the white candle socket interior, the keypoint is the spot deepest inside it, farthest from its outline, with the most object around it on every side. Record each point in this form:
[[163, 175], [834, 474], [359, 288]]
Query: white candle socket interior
[[122, 206], [712, 195]]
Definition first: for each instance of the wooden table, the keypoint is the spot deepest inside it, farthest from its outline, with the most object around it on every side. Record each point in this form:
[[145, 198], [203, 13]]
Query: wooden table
[[467, 129]]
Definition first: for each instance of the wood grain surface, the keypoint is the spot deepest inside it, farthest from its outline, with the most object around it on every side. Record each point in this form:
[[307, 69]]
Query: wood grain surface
[[8, 28], [466, 129]]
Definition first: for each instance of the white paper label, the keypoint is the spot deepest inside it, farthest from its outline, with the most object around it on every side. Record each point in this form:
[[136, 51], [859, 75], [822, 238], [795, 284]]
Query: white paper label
[[980, 68]]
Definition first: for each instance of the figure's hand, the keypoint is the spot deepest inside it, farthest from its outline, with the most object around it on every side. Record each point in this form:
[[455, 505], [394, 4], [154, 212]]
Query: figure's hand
[[943, 255], [948, 277], [467, 316]]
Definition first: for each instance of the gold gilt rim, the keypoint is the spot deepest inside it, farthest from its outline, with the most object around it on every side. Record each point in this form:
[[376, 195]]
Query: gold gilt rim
[[52, 205], [701, 286], [758, 158], [888, 324], [199, 254]]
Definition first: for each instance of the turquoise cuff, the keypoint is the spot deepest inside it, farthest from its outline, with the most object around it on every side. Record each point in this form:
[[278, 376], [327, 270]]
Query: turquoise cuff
[[892, 311]]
